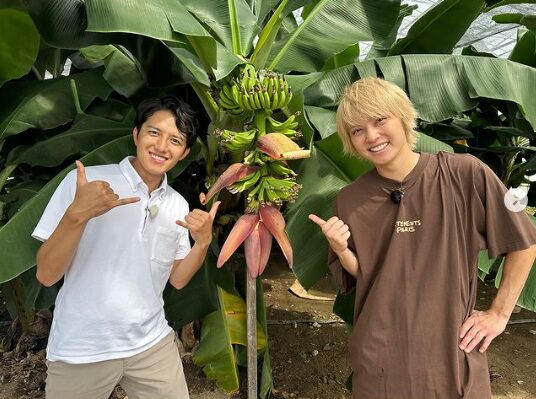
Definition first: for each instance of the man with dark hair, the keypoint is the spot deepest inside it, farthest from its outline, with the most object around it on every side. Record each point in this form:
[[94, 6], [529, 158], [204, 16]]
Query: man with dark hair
[[116, 234]]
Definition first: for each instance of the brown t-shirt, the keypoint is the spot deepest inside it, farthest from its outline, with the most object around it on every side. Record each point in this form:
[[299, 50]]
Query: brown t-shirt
[[417, 275]]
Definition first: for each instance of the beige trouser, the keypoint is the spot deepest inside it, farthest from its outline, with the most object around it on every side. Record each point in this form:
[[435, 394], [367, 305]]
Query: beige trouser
[[153, 374]]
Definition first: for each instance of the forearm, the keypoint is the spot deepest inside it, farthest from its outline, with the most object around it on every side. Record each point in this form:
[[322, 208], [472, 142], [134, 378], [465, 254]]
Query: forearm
[[57, 253], [185, 269], [348, 261], [517, 266]]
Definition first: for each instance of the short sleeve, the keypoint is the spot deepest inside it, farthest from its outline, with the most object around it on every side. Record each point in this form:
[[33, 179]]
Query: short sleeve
[[503, 230], [58, 204], [345, 280], [183, 247]]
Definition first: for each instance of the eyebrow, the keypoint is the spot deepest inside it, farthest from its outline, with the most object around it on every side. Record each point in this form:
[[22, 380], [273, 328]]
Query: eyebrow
[[180, 135]]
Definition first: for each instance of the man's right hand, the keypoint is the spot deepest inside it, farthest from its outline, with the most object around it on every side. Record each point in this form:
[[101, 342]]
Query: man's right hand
[[93, 198], [336, 231]]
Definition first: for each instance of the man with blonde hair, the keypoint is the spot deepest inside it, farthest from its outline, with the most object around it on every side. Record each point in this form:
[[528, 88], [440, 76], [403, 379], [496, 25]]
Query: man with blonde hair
[[406, 236]]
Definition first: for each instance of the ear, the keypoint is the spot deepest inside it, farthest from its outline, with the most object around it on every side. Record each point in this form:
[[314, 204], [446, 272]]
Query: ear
[[185, 153], [135, 136]]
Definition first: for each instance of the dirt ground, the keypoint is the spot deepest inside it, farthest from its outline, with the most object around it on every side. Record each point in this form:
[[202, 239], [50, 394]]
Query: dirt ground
[[309, 359]]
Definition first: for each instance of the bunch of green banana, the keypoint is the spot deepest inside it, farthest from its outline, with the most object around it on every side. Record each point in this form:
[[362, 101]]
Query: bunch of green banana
[[229, 100], [273, 191], [278, 90], [245, 183], [248, 77], [279, 168], [288, 127], [236, 141]]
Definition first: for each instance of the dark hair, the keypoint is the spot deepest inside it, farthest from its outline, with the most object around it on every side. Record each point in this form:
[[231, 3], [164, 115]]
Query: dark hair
[[185, 118]]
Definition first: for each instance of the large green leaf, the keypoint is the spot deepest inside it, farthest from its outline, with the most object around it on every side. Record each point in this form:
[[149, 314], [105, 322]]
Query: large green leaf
[[158, 19], [439, 29], [199, 297], [221, 16], [324, 120], [267, 36], [437, 86], [16, 233], [381, 48], [121, 70], [18, 195], [19, 41], [87, 133], [221, 330], [63, 23], [47, 104], [171, 22], [524, 51], [187, 57], [331, 27], [516, 83], [440, 86]]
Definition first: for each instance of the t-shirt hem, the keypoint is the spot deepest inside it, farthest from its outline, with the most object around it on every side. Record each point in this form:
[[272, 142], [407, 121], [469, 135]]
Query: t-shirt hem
[[107, 356]]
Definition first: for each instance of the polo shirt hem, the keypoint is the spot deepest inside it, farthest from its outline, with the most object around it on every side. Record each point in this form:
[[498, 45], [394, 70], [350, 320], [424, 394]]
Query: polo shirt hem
[[108, 356]]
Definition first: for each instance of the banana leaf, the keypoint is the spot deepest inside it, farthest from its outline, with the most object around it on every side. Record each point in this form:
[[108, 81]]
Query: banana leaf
[[440, 86], [121, 70], [170, 22], [49, 103], [36, 297], [19, 40], [232, 22], [158, 19], [201, 291], [87, 133], [439, 29], [221, 330], [524, 51], [62, 24], [331, 27], [380, 48], [19, 195]]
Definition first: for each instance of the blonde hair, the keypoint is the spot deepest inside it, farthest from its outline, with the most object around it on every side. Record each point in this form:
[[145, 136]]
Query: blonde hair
[[371, 98]]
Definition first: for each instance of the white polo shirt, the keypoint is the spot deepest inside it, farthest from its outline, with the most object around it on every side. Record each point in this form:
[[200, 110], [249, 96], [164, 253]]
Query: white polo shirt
[[110, 305]]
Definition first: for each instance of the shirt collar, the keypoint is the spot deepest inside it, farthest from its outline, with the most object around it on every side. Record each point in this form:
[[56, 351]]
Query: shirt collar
[[135, 180]]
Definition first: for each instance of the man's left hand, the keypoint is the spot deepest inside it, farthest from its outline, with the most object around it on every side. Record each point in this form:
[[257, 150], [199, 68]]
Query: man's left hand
[[199, 223], [481, 326]]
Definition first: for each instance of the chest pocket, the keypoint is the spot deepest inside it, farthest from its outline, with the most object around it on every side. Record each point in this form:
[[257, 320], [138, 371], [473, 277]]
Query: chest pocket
[[164, 246]]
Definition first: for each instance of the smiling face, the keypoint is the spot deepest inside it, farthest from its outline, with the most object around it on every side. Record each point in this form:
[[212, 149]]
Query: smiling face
[[381, 140], [159, 146]]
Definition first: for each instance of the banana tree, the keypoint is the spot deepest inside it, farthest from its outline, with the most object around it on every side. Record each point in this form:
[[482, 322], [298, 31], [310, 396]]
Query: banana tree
[[204, 51]]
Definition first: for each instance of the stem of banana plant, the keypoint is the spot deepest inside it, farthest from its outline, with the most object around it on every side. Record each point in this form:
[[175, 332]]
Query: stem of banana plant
[[5, 174], [251, 310], [74, 90], [260, 122], [206, 99]]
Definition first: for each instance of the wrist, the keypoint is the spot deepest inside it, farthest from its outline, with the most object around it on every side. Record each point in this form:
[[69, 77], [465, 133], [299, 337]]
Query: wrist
[[203, 244], [501, 310], [75, 217]]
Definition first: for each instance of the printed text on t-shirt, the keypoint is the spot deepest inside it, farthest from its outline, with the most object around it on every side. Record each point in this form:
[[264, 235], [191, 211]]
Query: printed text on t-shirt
[[406, 226]]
